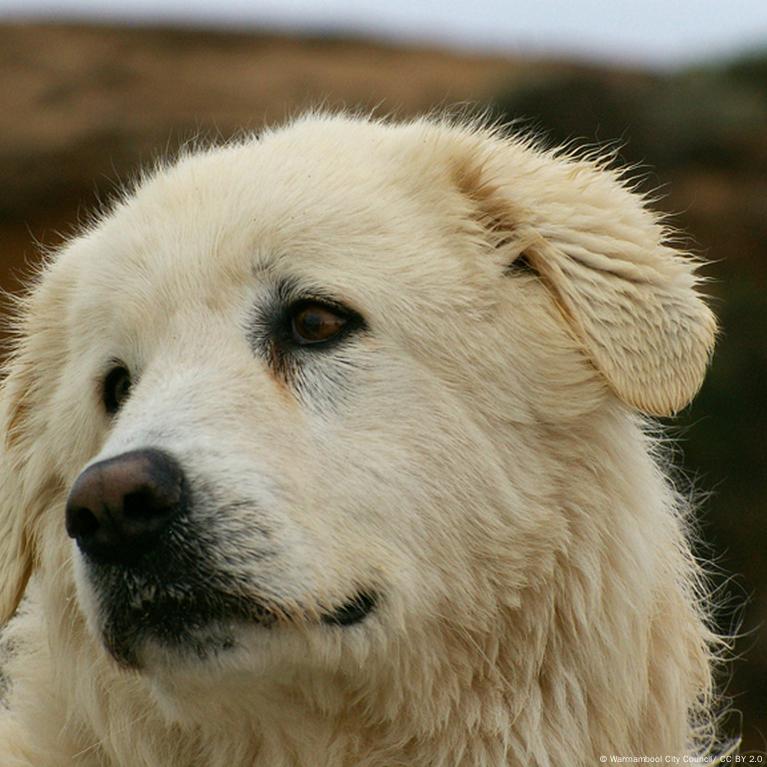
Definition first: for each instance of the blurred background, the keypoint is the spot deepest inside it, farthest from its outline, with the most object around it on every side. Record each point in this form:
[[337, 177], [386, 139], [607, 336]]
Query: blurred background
[[90, 91]]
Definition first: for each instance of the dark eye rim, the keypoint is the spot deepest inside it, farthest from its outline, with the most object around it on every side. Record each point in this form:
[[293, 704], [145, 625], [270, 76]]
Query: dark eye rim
[[352, 321], [111, 398]]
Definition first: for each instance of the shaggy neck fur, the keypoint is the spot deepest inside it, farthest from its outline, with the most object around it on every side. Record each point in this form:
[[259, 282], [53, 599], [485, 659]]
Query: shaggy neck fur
[[584, 658]]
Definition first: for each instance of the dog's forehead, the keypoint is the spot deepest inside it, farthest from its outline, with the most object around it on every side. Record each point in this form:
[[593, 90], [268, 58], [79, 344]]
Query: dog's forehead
[[338, 204], [281, 192]]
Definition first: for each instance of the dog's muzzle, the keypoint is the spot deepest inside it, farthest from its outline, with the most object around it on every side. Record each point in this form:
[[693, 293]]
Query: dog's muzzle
[[149, 563]]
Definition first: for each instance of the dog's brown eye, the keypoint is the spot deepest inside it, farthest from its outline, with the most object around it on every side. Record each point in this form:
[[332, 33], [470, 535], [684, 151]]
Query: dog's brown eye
[[117, 386], [314, 323]]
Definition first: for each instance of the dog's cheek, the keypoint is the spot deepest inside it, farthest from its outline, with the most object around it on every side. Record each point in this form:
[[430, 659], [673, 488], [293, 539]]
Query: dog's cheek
[[392, 485]]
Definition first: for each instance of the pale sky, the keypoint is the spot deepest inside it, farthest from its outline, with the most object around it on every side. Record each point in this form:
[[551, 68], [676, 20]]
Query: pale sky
[[655, 32]]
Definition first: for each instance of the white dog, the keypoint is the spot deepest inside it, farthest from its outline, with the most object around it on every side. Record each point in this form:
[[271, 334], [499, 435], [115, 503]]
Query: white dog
[[325, 449]]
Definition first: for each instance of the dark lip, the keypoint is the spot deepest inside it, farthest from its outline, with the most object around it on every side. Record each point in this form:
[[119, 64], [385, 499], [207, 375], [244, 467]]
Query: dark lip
[[353, 611]]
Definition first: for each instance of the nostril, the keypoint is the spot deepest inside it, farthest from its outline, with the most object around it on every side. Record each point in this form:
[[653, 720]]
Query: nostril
[[144, 504], [81, 523]]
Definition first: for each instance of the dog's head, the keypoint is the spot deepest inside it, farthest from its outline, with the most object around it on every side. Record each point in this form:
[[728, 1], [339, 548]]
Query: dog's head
[[290, 393]]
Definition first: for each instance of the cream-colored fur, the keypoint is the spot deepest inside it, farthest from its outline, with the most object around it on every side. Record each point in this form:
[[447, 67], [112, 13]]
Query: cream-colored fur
[[478, 455]]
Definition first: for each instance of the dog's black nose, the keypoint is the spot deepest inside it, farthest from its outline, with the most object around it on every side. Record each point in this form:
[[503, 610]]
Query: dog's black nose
[[118, 508]]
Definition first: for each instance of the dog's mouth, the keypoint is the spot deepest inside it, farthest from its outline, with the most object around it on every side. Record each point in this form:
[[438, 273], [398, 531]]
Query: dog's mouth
[[201, 623]]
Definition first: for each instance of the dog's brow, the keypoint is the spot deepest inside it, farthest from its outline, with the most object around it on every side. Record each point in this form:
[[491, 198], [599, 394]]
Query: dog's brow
[[262, 267]]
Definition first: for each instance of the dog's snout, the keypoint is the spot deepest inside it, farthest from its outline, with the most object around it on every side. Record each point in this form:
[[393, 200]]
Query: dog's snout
[[118, 508]]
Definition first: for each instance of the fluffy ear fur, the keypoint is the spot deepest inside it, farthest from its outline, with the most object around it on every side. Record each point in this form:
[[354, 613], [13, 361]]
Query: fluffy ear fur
[[28, 480], [627, 295], [16, 555]]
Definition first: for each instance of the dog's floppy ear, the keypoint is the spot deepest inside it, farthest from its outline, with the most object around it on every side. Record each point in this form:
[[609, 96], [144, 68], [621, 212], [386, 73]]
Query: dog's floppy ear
[[27, 477], [16, 554], [628, 296]]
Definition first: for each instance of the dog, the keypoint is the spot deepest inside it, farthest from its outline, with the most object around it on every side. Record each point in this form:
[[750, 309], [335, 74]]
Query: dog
[[329, 447]]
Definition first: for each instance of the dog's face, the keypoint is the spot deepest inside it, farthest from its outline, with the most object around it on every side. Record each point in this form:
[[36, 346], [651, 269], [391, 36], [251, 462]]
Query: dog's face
[[286, 392], [260, 343], [247, 335]]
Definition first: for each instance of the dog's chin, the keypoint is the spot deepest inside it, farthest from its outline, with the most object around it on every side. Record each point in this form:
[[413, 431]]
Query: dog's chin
[[199, 648], [171, 646]]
